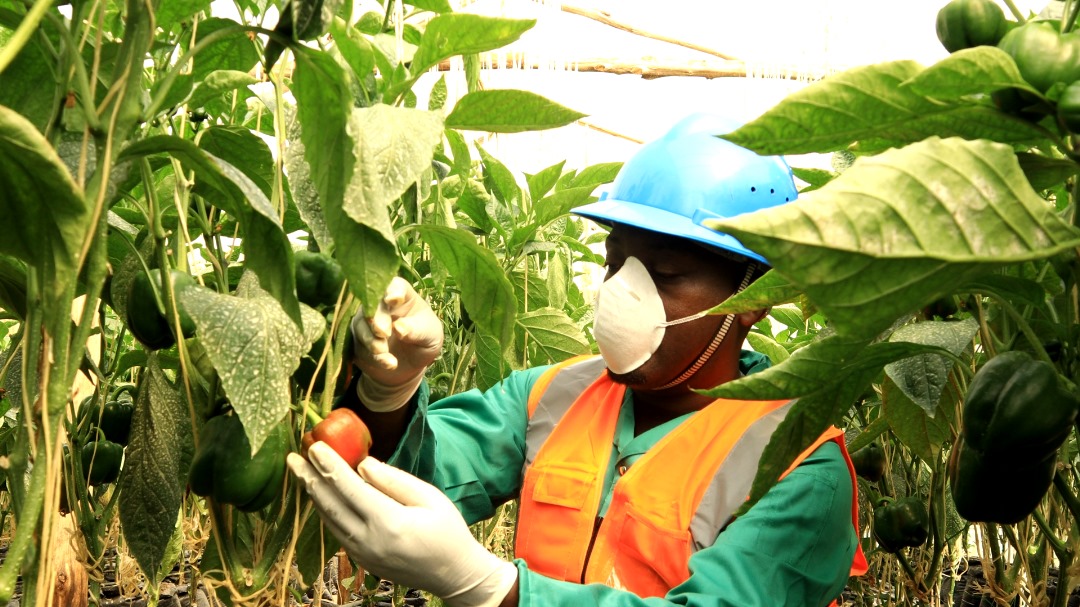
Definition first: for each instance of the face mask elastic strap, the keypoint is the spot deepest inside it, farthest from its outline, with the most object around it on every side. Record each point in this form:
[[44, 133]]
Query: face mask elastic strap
[[720, 335]]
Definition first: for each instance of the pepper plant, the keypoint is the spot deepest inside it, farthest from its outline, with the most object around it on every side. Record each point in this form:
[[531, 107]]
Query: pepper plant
[[939, 273], [280, 174]]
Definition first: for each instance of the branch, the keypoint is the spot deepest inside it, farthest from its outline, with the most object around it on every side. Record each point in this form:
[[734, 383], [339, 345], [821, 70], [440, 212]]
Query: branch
[[646, 68], [605, 18]]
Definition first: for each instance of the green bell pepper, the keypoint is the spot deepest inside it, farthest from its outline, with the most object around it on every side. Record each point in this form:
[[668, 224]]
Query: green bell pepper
[[901, 523], [965, 24], [319, 278], [101, 461], [1043, 55], [223, 467]]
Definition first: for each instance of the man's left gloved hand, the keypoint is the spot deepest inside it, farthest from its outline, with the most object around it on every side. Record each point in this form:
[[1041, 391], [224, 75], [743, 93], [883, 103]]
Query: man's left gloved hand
[[402, 528]]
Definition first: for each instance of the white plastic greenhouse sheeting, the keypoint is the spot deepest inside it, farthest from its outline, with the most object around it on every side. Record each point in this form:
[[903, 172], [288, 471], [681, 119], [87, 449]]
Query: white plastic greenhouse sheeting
[[807, 36]]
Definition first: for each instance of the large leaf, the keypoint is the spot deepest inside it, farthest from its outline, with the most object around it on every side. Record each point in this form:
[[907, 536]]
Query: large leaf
[[867, 105], [394, 147], [233, 49], [826, 376], [39, 198], [156, 463], [486, 292], [982, 69], [368, 258], [922, 431], [922, 378], [508, 111], [554, 333], [241, 197], [171, 13], [771, 289], [13, 286], [254, 346], [28, 85], [558, 204], [493, 361], [898, 230], [452, 34]]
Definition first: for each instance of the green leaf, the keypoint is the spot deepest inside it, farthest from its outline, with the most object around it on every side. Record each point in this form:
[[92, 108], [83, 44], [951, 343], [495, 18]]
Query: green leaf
[[270, 254], [156, 461], [923, 378], [1019, 291], [315, 545], [492, 361], [1044, 173], [13, 286], [486, 292], [560, 203], [499, 178], [898, 230], [216, 84], [542, 182], [473, 201], [919, 430], [815, 178], [826, 376], [38, 195], [395, 146], [354, 48], [767, 346], [169, 14], [452, 34], [368, 258], [436, 6], [437, 98], [556, 335], [254, 346], [595, 174], [459, 150], [867, 105], [972, 71], [817, 367], [771, 289], [558, 277], [508, 111], [234, 51], [28, 85]]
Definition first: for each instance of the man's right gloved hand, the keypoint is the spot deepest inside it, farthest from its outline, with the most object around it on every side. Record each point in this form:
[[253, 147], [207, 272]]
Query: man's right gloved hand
[[394, 347]]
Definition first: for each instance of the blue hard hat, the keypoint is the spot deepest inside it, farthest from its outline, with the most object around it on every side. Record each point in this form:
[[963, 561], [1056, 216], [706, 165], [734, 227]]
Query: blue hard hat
[[673, 184]]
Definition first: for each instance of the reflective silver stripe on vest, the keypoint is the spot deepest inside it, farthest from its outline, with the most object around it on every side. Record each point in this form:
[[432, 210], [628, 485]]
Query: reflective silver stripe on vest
[[567, 385], [732, 481]]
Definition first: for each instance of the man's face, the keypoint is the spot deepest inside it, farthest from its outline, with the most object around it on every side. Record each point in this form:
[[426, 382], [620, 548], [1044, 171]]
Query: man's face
[[689, 279]]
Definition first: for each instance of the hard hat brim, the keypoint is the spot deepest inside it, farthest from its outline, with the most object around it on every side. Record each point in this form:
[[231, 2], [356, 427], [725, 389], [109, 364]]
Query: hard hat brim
[[610, 211]]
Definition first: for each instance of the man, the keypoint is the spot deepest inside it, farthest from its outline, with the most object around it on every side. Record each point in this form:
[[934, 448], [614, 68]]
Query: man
[[628, 478]]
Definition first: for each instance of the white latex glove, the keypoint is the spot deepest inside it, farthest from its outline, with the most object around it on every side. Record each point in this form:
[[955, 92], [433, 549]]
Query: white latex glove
[[402, 528], [394, 347]]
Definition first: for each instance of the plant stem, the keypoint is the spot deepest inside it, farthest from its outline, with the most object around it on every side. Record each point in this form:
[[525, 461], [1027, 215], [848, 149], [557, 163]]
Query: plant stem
[[1071, 501], [22, 34], [1015, 11]]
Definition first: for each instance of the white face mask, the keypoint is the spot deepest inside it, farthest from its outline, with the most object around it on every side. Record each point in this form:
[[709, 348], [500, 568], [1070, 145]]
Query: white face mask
[[630, 318]]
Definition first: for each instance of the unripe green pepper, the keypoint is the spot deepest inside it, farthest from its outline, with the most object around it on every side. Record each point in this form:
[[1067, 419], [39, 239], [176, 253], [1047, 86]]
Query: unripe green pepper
[[965, 24], [144, 320], [1068, 107], [319, 278], [1016, 404], [1004, 491], [223, 467], [901, 523], [115, 420], [101, 461], [1043, 55], [869, 462]]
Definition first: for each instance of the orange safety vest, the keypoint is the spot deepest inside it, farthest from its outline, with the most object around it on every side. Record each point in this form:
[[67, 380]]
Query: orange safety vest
[[675, 500]]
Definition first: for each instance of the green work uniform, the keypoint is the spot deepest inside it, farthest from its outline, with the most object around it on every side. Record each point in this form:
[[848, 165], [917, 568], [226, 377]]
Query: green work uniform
[[794, 547]]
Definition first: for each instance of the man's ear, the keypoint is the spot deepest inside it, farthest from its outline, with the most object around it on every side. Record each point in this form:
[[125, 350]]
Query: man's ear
[[751, 318]]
